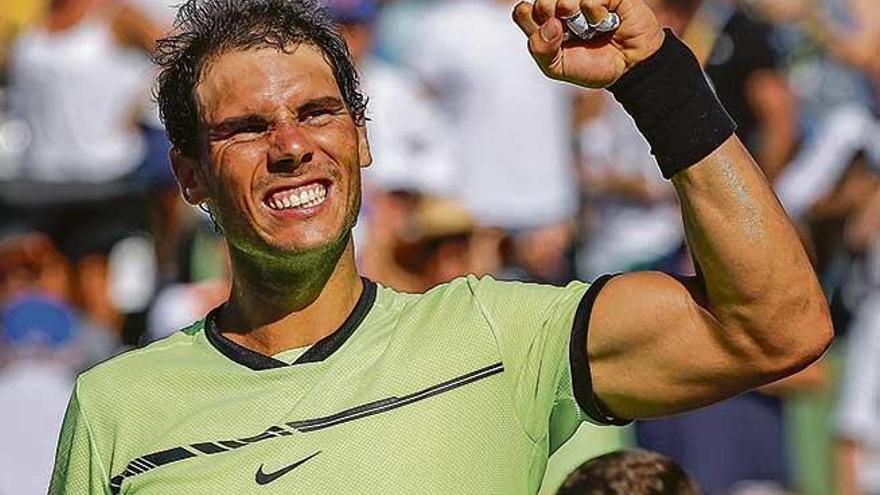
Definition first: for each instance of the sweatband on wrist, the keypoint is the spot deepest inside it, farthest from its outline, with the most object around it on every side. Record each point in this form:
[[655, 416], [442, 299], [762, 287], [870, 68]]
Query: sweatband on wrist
[[674, 107]]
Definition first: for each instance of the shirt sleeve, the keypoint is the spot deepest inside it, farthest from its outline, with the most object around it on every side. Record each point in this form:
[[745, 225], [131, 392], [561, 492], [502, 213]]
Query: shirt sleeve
[[541, 333], [78, 467]]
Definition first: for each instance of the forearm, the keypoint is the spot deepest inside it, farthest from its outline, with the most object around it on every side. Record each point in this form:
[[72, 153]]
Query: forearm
[[758, 282]]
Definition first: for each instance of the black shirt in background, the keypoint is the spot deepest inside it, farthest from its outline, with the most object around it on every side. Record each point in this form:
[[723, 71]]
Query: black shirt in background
[[743, 47]]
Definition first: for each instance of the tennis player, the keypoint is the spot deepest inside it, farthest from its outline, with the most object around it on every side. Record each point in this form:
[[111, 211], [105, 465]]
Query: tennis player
[[311, 379]]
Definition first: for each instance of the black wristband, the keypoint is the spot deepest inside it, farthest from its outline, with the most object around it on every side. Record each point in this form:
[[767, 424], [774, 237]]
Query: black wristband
[[673, 106]]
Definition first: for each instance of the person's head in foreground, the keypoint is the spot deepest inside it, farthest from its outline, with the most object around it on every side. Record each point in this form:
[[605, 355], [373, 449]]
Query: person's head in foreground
[[262, 104], [629, 472]]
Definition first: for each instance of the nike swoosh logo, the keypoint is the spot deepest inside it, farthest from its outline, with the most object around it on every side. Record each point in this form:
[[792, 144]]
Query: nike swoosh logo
[[265, 478]]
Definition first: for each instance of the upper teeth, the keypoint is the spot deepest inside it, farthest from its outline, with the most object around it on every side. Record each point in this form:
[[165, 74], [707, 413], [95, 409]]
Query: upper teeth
[[302, 197]]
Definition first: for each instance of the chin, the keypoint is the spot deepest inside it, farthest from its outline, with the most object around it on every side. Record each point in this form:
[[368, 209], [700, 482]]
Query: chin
[[316, 243]]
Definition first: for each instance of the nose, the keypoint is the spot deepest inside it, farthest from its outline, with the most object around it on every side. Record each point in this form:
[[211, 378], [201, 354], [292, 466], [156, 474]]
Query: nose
[[291, 148]]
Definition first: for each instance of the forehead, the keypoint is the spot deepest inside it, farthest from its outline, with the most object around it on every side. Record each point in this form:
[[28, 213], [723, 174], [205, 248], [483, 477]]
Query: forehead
[[262, 80]]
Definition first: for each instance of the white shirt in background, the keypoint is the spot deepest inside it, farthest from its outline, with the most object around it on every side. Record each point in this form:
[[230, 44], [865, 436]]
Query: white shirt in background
[[408, 139], [510, 123], [78, 91], [858, 415], [624, 233]]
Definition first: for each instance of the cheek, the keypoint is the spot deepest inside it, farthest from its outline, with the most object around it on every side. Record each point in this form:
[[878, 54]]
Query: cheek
[[237, 162], [339, 141]]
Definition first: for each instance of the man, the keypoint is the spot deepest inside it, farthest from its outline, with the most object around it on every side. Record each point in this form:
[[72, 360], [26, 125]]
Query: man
[[311, 379], [630, 472]]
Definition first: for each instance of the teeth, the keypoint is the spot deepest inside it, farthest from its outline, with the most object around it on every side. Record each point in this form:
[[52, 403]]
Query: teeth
[[313, 195]]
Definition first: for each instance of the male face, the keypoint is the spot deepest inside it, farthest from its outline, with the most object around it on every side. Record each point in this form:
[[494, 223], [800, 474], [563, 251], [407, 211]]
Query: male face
[[281, 151]]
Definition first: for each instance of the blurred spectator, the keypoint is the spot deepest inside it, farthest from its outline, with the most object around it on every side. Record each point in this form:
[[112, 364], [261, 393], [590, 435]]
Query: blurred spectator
[[30, 263], [745, 69], [436, 243], [849, 33], [847, 132], [81, 131], [630, 472], [512, 126], [34, 288], [408, 139], [858, 411], [178, 305], [409, 142], [78, 80], [631, 221], [821, 80], [43, 343], [858, 415]]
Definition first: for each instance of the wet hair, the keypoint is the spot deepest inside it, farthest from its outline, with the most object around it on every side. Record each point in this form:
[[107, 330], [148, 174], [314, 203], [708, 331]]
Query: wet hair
[[206, 29], [629, 472]]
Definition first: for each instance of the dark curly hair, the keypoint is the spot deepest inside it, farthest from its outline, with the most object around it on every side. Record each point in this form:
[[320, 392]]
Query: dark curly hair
[[205, 29], [629, 472]]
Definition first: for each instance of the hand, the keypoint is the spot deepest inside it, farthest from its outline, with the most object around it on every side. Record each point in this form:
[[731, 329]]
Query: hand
[[596, 63]]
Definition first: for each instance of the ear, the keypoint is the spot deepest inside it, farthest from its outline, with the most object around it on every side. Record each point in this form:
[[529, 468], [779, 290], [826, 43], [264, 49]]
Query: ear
[[186, 170], [365, 157]]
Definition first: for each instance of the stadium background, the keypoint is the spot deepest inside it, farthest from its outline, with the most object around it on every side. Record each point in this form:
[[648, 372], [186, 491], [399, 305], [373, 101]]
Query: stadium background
[[481, 166]]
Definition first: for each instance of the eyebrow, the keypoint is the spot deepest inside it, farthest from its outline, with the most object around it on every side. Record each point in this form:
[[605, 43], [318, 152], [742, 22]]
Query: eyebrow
[[230, 124]]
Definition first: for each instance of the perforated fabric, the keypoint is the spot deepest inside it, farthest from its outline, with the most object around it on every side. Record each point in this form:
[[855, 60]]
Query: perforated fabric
[[462, 390]]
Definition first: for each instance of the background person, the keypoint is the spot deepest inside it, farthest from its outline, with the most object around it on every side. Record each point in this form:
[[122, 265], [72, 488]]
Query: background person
[[630, 472]]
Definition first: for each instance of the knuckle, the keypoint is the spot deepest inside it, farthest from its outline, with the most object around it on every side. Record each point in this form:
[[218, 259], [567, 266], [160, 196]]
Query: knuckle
[[568, 7], [545, 7]]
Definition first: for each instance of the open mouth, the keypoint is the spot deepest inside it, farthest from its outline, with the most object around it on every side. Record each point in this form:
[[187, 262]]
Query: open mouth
[[303, 197]]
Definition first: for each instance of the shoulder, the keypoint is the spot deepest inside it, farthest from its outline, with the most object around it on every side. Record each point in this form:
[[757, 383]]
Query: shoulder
[[125, 371], [484, 293]]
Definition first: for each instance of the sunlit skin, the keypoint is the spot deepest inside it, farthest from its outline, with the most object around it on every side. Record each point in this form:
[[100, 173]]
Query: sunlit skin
[[275, 120]]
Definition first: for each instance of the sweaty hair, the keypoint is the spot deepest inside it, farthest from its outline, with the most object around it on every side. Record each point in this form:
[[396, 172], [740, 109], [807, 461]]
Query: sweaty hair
[[206, 29], [629, 472]]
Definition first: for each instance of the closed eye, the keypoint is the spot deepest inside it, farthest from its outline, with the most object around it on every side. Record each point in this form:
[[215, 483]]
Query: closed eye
[[321, 110], [238, 127]]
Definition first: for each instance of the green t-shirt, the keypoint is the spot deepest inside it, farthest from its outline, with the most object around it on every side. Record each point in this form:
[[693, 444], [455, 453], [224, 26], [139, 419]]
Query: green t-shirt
[[466, 389]]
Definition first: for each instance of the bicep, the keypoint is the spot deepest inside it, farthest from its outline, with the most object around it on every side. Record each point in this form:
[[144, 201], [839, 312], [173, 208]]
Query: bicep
[[655, 348]]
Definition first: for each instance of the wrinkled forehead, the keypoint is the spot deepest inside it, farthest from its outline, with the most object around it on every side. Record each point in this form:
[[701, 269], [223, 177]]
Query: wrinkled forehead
[[263, 80]]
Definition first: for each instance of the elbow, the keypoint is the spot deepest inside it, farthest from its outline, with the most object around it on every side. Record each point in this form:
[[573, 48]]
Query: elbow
[[796, 335], [816, 335]]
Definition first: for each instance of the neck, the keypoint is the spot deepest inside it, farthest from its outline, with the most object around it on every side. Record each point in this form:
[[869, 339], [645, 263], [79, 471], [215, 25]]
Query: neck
[[276, 307]]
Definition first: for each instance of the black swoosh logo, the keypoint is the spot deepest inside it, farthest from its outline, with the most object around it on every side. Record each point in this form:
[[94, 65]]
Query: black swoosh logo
[[265, 478]]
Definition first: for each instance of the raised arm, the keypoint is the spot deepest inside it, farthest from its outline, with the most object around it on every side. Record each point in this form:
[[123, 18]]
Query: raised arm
[[658, 344]]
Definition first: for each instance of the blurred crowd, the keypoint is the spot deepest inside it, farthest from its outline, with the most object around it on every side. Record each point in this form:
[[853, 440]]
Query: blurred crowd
[[481, 165]]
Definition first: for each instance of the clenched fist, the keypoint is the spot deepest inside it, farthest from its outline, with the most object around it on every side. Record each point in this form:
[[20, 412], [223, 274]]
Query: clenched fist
[[596, 63]]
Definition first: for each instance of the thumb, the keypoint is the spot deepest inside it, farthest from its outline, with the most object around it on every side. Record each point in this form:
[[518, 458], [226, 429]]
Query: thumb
[[546, 43]]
